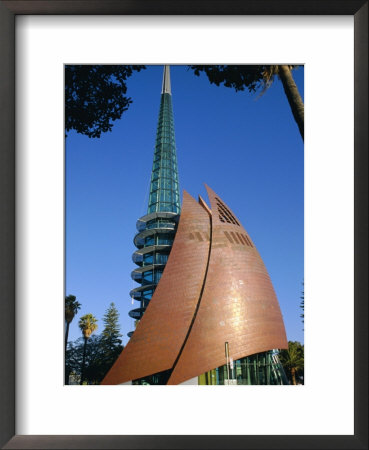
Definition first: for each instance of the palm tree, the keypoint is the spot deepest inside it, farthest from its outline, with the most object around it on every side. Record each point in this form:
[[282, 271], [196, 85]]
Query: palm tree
[[290, 89], [88, 325], [70, 310], [293, 359]]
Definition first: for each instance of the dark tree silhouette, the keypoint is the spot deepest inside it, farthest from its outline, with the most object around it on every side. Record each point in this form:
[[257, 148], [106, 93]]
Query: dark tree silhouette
[[71, 307], [90, 362], [95, 96], [70, 310], [74, 359], [257, 77]]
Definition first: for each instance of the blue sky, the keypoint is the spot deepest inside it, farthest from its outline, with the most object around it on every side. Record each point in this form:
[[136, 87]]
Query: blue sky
[[245, 147]]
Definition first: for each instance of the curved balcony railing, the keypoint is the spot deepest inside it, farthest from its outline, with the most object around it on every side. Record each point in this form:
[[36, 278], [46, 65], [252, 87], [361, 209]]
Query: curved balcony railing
[[138, 255], [137, 292], [152, 257], [141, 224], [137, 274], [139, 239], [136, 313]]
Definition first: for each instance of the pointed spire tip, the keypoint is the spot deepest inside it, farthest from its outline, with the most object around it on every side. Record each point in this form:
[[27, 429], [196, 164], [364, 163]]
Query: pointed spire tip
[[166, 89]]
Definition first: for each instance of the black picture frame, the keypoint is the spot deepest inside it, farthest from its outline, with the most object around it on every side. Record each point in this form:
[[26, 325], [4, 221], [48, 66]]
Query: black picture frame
[[8, 12]]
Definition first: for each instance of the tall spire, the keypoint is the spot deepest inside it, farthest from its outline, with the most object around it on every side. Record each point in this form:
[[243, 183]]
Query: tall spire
[[156, 230], [164, 189], [166, 81]]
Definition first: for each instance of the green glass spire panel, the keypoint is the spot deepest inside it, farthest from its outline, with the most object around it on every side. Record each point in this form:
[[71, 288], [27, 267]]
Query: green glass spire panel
[[164, 189], [156, 230]]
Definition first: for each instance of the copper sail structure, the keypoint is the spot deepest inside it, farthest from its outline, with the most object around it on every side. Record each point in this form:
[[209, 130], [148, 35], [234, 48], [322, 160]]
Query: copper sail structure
[[215, 289], [238, 304], [162, 330]]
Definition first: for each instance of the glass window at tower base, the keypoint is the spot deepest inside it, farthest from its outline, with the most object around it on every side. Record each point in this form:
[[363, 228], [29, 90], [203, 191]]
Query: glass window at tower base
[[159, 378], [259, 369]]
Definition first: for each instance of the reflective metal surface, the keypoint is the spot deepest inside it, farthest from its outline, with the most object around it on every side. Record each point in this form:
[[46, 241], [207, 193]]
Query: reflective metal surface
[[238, 305], [157, 340], [214, 289]]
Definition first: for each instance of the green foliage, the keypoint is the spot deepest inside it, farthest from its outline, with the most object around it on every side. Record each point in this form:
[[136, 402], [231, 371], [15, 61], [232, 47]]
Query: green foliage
[[111, 344], [111, 333], [293, 361], [87, 324], [251, 77], [95, 96], [71, 308], [74, 359], [233, 76], [93, 361]]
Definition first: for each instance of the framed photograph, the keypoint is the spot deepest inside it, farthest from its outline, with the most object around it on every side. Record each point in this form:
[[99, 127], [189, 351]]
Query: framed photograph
[[38, 40]]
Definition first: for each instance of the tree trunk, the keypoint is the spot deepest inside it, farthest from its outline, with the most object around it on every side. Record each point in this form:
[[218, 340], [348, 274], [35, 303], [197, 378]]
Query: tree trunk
[[293, 96], [66, 375], [83, 361], [293, 375], [66, 336]]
